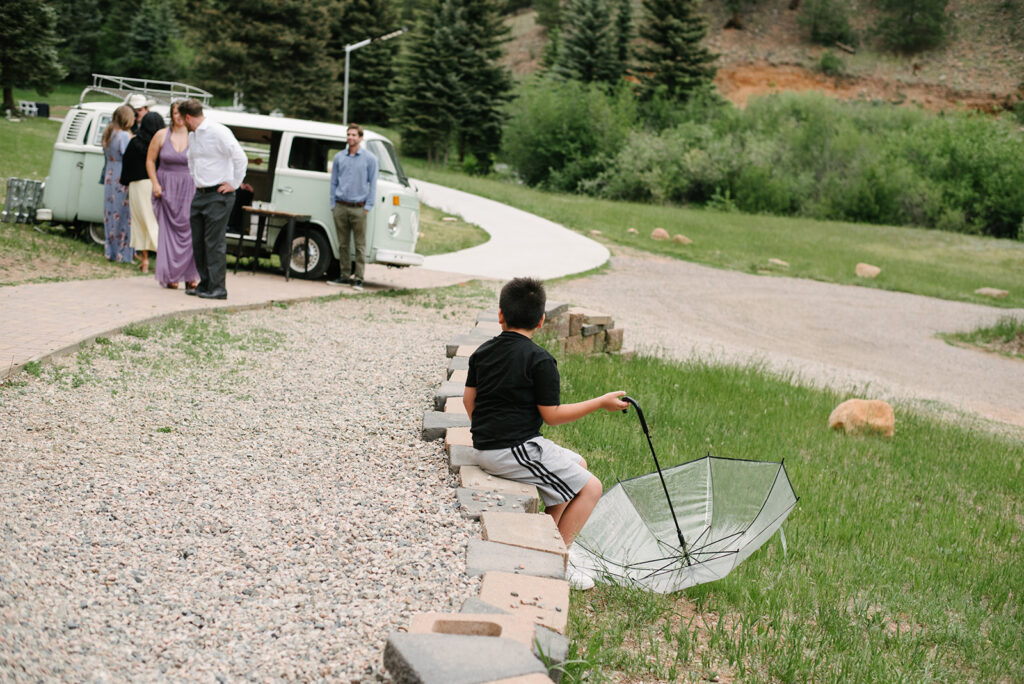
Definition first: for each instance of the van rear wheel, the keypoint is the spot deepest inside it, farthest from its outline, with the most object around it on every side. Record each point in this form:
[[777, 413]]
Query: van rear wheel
[[97, 233], [310, 261]]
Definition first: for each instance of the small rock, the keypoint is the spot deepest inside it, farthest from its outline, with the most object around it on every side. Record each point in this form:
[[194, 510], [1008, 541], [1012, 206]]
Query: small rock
[[659, 234], [632, 231], [682, 239], [595, 233], [991, 292], [867, 271], [778, 262]]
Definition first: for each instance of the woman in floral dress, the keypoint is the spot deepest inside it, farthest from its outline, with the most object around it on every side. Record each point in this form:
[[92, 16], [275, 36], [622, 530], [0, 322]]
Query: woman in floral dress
[[116, 217]]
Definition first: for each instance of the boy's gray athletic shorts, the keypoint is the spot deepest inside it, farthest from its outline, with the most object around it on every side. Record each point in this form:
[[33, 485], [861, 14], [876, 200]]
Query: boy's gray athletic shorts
[[555, 470]]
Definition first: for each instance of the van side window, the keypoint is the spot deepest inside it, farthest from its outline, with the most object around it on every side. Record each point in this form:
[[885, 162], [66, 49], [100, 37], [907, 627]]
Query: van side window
[[312, 154], [97, 134]]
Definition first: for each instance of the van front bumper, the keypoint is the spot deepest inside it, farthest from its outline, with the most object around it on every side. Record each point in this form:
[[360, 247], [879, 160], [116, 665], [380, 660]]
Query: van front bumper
[[395, 258]]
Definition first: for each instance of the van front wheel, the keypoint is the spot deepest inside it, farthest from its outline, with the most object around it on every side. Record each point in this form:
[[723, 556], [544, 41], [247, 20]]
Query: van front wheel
[[310, 261]]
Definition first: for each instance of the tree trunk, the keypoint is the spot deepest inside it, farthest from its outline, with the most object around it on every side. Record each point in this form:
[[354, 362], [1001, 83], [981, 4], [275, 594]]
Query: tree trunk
[[794, 4], [9, 100], [734, 21]]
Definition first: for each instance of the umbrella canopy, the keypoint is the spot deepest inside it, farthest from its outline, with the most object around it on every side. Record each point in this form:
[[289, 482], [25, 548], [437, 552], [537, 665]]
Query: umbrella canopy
[[686, 525]]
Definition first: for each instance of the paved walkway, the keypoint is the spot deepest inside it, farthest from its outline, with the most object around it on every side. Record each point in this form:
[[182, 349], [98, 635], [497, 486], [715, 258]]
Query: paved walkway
[[50, 319]]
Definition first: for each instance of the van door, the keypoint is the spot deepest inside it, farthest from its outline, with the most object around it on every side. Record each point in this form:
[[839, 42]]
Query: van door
[[90, 194], [63, 183], [302, 181]]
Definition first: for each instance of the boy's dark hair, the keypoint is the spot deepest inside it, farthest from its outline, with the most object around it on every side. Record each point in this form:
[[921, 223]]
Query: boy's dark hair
[[522, 302]]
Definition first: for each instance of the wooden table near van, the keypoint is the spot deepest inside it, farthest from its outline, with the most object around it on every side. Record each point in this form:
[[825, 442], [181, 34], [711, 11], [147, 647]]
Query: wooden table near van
[[261, 231]]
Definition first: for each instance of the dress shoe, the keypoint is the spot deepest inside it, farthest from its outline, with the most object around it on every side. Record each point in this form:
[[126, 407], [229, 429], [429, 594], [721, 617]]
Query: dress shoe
[[192, 291], [216, 294]]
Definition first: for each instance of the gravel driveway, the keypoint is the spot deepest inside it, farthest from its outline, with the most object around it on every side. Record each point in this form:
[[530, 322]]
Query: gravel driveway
[[873, 343], [263, 510]]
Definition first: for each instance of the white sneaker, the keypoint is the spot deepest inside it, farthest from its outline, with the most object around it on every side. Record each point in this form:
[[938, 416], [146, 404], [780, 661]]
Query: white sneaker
[[357, 285], [576, 572], [578, 579]]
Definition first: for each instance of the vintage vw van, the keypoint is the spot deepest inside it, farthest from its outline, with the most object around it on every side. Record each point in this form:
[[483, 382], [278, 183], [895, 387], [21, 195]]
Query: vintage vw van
[[289, 171]]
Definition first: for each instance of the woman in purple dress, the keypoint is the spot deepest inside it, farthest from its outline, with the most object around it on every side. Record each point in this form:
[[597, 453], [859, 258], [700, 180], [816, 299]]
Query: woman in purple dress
[[173, 189], [116, 217]]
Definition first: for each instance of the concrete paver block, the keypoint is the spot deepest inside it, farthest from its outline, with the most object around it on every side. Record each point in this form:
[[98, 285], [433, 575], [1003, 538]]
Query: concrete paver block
[[543, 600], [457, 363], [588, 329], [454, 405], [446, 391], [491, 328], [472, 477], [437, 423], [459, 375], [460, 455], [473, 502], [456, 659], [537, 531], [613, 339], [553, 309], [514, 627], [483, 556], [466, 349], [551, 647], [470, 337], [487, 315], [523, 679], [595, 317], [457, 436]]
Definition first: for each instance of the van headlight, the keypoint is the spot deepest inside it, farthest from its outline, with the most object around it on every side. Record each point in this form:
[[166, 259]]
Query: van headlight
[[393, 224]]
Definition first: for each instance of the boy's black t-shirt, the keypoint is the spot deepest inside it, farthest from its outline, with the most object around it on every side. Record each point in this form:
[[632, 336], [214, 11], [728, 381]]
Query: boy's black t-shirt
[[512, 375]]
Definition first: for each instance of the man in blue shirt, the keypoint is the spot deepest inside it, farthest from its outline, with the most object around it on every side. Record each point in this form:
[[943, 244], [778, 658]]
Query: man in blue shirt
[[353, 185]]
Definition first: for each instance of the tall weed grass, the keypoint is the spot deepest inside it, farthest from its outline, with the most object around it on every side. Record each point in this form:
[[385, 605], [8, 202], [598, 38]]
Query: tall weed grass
[[903, 557]]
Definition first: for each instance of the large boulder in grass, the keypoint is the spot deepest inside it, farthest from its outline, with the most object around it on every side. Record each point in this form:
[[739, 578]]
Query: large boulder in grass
[[864, 415]]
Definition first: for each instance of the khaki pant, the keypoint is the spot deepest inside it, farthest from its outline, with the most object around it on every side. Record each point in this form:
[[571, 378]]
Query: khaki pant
[[349, 223]]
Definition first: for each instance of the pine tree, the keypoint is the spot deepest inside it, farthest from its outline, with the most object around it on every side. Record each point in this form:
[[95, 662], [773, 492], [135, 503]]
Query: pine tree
[[28, 48], [154, 47], [371, 68], [912, 25], [624, 34], [79, 24], [427, 93], [451, 87], [486, 84], [588, 49], [672, 59], [274, 52]]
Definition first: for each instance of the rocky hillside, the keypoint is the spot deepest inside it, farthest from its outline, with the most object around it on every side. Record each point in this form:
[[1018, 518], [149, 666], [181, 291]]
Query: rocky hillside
[[981, 66]]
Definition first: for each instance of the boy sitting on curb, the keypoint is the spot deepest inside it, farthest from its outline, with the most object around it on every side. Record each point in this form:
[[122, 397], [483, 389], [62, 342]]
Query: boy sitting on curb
[[513, 386]]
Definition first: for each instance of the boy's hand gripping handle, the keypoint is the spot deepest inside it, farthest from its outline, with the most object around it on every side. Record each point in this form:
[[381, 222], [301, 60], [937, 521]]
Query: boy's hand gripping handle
[[639, 413]]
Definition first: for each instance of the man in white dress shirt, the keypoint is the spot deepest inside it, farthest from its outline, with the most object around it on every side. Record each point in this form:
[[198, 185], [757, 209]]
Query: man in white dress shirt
[[217, 164]]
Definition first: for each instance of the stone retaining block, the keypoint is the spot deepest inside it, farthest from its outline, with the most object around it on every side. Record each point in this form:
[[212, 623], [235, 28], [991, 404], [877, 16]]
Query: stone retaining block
[[456, 659], [436, 424], [484, 556], [551, 647], [471, 477], [537, 532], [541, 599], [474, 502]]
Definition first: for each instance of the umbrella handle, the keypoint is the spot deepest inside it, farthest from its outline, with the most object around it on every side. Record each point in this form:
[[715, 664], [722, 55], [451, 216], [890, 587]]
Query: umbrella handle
[[639, 413]]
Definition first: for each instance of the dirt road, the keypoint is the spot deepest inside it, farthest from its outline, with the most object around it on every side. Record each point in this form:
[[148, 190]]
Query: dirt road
[[879, 344]]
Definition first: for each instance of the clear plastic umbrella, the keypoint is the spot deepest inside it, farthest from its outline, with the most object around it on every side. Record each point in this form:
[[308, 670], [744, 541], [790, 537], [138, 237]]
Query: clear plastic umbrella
[[686, 525]]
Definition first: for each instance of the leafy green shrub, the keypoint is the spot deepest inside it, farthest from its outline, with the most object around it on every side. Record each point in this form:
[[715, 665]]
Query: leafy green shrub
[[830, 64], [913, 26], [562, 132], [827, 22]]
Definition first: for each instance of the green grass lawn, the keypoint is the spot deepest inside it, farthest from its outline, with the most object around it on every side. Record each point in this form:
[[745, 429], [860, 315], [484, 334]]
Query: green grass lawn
[[903, 559], [440, 236], [26, 147], [926, 262]]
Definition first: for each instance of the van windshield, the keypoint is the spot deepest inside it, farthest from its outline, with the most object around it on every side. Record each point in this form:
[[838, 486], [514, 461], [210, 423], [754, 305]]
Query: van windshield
[[389, 165]]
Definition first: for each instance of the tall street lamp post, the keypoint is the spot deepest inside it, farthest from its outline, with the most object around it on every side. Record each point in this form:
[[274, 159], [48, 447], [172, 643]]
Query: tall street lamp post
[[351, 47]]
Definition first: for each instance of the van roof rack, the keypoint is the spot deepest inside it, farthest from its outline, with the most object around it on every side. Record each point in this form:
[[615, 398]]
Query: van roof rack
[[160, 91]]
